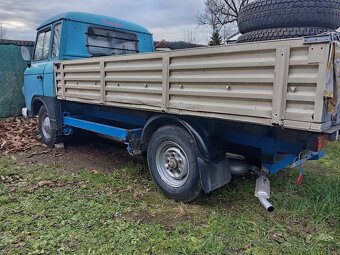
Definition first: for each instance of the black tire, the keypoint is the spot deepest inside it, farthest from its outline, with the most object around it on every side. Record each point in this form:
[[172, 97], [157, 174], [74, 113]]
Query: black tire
[[263, 14], [190, 187], [51, 137], [280, 33]]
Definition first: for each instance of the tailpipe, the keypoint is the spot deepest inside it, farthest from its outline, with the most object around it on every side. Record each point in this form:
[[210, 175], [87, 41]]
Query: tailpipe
[[262, 192]]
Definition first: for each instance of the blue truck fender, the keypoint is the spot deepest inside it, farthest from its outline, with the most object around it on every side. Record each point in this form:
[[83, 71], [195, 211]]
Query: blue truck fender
[[157, 121], [53, 108]]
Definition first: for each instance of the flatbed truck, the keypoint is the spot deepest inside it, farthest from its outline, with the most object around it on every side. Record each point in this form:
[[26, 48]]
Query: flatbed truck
[[200, 115]]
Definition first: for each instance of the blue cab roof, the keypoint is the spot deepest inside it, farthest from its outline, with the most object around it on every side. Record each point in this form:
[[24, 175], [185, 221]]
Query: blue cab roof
[[100, 20]]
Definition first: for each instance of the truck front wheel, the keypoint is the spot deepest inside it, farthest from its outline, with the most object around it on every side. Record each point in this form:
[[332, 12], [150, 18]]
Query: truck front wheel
[[172, 158], [48, 134]]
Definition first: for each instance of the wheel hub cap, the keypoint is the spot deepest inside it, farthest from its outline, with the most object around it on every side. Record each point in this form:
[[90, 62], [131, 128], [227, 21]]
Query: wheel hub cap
[[172, 164], [46, 127]]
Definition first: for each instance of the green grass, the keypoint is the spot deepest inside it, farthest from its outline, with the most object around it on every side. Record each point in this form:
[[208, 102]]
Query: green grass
[[122, 212]]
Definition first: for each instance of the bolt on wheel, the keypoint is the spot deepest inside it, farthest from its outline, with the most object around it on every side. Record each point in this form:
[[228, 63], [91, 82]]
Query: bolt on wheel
[[172, 164]]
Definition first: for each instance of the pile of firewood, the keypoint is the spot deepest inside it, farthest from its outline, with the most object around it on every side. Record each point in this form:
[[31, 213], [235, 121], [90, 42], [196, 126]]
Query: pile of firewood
[[18, 134]]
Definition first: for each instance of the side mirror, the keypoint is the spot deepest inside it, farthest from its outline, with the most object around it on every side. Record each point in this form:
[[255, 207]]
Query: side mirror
[[26, 55]]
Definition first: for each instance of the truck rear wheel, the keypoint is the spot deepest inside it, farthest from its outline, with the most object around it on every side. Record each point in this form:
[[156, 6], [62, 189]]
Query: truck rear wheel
[[172, 158], [48, 134]]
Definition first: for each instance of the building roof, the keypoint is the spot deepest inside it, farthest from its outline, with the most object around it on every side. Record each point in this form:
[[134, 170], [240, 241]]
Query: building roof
[[16, 42], [97, 20]]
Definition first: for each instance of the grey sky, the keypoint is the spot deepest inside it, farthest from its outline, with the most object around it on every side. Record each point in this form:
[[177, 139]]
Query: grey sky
[[167, 19]]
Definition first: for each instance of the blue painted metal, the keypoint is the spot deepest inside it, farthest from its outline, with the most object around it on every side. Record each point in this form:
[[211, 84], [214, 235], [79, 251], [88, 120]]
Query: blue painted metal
[[119, 134], [309, 155], [73, 45], [292, 161], [268, 144], [131, 119], [74, 42], [318, 156], [32, 85], [277, 166], [95, 19], [44, 68], [76, 24], [274, 147]]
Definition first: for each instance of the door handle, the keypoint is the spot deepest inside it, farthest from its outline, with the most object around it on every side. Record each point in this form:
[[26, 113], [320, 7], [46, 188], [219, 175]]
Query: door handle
[[39, 77]]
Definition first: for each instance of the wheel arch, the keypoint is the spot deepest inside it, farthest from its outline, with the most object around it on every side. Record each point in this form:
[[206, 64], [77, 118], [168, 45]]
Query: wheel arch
[[53, 108], [199, 135], [37, 103]]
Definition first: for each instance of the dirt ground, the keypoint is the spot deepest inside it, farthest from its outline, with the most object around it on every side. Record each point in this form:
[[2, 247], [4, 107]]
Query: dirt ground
[[82, 151]]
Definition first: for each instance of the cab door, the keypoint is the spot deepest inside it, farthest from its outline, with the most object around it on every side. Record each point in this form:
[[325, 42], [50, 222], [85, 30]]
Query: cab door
[[39, 78], [34, 75]]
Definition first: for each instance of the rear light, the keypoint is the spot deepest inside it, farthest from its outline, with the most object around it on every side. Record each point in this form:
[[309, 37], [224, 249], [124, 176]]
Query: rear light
[[321, 142]]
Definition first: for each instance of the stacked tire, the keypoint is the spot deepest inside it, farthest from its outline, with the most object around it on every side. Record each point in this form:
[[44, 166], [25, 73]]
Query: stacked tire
[[263, 20]]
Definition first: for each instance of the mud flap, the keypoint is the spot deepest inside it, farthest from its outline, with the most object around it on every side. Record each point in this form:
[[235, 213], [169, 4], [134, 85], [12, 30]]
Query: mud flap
[[213, 174], [54, 111]]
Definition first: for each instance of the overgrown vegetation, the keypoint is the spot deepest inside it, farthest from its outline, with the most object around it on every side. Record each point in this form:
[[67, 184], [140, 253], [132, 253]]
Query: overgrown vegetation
[[46, 208]]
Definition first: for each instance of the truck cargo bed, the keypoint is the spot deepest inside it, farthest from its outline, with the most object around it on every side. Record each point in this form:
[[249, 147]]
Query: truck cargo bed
[[271, 83]]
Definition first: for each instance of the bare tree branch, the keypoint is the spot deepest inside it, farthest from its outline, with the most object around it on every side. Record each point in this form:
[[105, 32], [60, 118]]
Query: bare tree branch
[[219, 13]]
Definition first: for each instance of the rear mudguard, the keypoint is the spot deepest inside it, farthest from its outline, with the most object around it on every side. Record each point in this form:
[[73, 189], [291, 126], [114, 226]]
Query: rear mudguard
[[213, 174]]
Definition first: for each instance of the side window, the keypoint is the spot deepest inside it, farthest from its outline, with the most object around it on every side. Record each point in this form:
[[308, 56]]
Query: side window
[[106, 42], [42, 45], [56, 41]]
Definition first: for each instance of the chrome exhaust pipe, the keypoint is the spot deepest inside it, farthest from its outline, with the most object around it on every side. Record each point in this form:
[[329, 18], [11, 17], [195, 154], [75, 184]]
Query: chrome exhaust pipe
[[262, 192]]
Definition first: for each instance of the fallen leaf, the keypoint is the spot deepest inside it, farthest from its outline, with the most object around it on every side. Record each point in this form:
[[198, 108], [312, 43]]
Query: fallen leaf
[[45, 183], [17, 134], [39, 153], [137, 195]]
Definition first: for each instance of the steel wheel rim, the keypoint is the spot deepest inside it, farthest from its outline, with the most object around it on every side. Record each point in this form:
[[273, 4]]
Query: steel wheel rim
[[46, 127], [172, 164]]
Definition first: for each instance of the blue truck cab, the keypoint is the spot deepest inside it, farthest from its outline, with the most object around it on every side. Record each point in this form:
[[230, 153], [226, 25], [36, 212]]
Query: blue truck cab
[[75, 35]]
